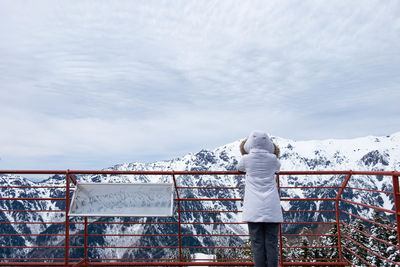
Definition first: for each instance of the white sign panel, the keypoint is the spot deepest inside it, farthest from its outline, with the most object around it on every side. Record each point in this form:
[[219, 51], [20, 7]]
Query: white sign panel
[[144, 200]]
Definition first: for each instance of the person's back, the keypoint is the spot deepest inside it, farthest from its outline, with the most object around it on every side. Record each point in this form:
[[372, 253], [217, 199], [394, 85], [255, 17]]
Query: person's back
[[261, 207], [261, 167]]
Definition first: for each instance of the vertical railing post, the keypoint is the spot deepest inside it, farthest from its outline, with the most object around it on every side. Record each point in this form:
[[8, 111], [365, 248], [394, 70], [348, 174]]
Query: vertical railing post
[[396, 193], [179, 219], [67, 219], [339, 238], [280, 225], [86, 242]]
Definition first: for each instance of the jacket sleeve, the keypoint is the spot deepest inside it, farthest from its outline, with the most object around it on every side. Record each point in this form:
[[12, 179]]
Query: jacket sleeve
[[240, 166]]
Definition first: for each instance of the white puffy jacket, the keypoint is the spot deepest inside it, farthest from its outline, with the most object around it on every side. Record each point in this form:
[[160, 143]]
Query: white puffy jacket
[[261, 198]]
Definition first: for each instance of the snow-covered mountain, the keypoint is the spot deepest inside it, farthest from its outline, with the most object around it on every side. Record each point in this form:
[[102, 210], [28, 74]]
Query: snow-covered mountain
[[366, 153]]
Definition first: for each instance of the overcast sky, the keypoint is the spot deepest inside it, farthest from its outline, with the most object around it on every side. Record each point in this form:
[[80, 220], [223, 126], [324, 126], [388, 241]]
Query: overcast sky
[[89, 84]]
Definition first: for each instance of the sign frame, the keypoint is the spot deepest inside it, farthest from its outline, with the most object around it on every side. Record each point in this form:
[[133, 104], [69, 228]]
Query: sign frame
[[79, 187]]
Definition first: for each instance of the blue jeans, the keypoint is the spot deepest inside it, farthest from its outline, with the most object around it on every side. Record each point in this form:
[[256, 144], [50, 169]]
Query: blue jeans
[[264, 242]]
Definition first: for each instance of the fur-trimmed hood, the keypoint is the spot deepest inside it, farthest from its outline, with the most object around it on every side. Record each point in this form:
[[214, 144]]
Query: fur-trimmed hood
[[258, 140]]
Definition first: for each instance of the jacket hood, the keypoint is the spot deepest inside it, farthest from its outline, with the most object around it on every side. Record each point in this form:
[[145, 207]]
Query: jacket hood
[[258, 140]]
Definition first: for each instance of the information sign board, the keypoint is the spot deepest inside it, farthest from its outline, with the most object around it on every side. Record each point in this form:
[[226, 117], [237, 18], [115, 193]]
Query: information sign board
[[111, 199]]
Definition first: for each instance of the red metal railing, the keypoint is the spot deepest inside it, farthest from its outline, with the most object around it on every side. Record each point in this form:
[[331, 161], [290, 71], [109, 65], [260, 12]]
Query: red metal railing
[[65, 240]]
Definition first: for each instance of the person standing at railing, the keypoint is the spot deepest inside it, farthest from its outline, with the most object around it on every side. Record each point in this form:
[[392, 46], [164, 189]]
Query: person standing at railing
[[261, 208]]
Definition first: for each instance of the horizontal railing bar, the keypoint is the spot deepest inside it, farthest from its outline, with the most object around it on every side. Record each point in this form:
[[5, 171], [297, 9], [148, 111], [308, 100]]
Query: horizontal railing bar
[[220, 235], [309, 187], [121, 172], [124, 222], [32, 235], [28, 198], [127, 259], [32, 210], [159, 247], [309, 235], [315, 263], [171, 260], [35, 264], [139, 234], [367, 220], [369, 190], [312, 172], [215, 247], [32, 222], [33, 247], [295, 211], [33, 186], [319, 259], [214, 223], [383, 173], [308, 222], [208, 187], [174, 263], [308, 199], [211, 211], [367, 206], [125, 235], [33, 172], [114, 247], [311, 247], [158, 172], [218, 260], [210, 199], [129, 222], [34, 259]]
